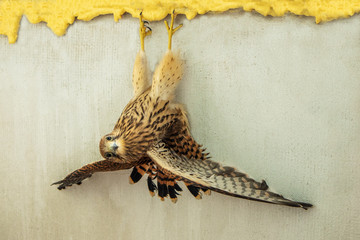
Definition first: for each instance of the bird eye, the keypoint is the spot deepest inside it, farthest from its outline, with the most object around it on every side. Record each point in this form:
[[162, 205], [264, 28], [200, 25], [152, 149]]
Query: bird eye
[[108, 138], [108, 155]]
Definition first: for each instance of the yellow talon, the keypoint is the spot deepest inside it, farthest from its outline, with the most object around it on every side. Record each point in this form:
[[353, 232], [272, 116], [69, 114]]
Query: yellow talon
[[142, 31], [170, 29]]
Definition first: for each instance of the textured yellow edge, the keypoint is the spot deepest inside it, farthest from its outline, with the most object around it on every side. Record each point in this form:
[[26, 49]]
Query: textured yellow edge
[[60, 13]]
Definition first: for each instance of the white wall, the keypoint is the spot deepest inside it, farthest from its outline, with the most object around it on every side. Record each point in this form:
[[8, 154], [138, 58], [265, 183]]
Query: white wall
[[276, 97]]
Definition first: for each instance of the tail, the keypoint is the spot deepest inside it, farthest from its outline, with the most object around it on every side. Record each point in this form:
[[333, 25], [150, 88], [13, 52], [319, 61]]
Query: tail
[[166, 76], [138, 172]]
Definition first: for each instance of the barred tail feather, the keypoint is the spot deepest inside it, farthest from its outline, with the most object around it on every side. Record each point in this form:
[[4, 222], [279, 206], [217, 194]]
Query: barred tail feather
[[137, 173], [167, 186], [194, 189], [151, 186]]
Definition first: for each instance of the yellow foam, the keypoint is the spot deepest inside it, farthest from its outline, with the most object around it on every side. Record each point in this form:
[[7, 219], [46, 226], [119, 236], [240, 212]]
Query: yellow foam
[[59, 14]]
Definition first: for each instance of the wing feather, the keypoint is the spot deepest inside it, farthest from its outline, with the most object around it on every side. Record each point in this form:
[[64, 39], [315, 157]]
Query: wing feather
[[208, 174]]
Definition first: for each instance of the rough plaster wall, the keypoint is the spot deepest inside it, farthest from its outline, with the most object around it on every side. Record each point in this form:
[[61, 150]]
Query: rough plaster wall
[[276, 97]]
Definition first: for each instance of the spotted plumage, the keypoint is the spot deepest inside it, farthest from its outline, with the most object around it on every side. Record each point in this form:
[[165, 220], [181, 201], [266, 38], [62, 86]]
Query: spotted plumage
[[152, 136]]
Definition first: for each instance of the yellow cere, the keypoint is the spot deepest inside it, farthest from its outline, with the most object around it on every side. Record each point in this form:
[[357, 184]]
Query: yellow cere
[[59, 14]]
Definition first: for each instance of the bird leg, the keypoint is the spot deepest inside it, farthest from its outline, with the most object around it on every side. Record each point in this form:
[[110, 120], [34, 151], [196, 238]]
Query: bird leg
[[144, 30], [140, 73], [170, 29], [86, 171]]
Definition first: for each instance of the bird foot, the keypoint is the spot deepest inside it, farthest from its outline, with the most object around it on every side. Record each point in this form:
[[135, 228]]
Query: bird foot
[[144, 30], [171, 30]]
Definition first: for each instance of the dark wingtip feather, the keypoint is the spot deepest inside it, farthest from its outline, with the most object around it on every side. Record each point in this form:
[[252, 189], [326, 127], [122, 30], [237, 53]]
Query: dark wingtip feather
[[305, 205], [61, 181]]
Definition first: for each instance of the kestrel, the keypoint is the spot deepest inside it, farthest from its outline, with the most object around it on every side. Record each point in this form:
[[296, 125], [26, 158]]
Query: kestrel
[[152, 136]]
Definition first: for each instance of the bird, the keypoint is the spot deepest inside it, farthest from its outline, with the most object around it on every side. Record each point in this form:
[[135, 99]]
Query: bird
[[152, 136]]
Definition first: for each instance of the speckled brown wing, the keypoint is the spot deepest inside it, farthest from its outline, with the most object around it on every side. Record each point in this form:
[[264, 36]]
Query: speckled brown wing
[[77, 176], [184, 144], [211, 175]]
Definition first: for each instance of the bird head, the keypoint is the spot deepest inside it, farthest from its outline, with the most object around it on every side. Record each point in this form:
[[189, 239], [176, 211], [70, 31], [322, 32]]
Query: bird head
[[112, 147]]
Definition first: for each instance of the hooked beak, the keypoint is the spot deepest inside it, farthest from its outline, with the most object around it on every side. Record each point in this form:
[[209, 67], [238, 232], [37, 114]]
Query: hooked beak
[[114, 147]]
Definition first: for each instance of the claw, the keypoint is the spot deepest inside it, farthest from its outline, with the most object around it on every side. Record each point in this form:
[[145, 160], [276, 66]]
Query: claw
[[144, 30]]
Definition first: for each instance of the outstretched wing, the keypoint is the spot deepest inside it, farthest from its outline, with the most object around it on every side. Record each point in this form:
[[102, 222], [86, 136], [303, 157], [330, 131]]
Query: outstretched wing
[[77, 176], [211, 175]]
